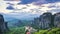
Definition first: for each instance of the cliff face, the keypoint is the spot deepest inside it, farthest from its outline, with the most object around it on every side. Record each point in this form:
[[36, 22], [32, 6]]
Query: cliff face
[[43, 22], [2, 25], [57, 19], [47, 20]]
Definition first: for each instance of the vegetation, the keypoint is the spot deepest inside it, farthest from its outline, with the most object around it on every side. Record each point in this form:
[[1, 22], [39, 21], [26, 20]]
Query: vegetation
[[52, 31], [20, 30]]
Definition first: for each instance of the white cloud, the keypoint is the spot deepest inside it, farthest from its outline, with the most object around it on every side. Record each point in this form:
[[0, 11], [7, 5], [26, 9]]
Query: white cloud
[[24, 11]]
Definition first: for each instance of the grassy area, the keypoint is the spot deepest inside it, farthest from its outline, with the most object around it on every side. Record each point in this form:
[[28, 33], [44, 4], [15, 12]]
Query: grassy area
[[52, 31], [21, 30]]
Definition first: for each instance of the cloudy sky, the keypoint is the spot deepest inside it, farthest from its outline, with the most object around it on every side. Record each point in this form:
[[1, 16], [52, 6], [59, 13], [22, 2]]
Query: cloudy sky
[[25, 9]]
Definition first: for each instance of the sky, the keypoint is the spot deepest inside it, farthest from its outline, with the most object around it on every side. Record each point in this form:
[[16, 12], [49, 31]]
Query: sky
[[25, 9]]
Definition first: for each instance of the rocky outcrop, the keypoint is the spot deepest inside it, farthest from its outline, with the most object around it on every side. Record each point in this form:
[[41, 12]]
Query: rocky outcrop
[[6, 26], [35, 23], [57, 19], [2, 25], [45, 20]]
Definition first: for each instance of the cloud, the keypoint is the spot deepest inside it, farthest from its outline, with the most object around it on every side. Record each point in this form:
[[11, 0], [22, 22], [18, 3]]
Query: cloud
[[3, 6], [29, 10], [10, 8]]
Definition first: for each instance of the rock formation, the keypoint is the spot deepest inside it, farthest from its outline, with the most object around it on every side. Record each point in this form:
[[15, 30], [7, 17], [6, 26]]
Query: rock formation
[[2, 25], [45, 20], [57, 19]]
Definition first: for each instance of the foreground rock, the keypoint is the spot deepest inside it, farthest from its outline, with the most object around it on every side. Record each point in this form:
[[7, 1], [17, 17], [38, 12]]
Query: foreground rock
[[3, 25]]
